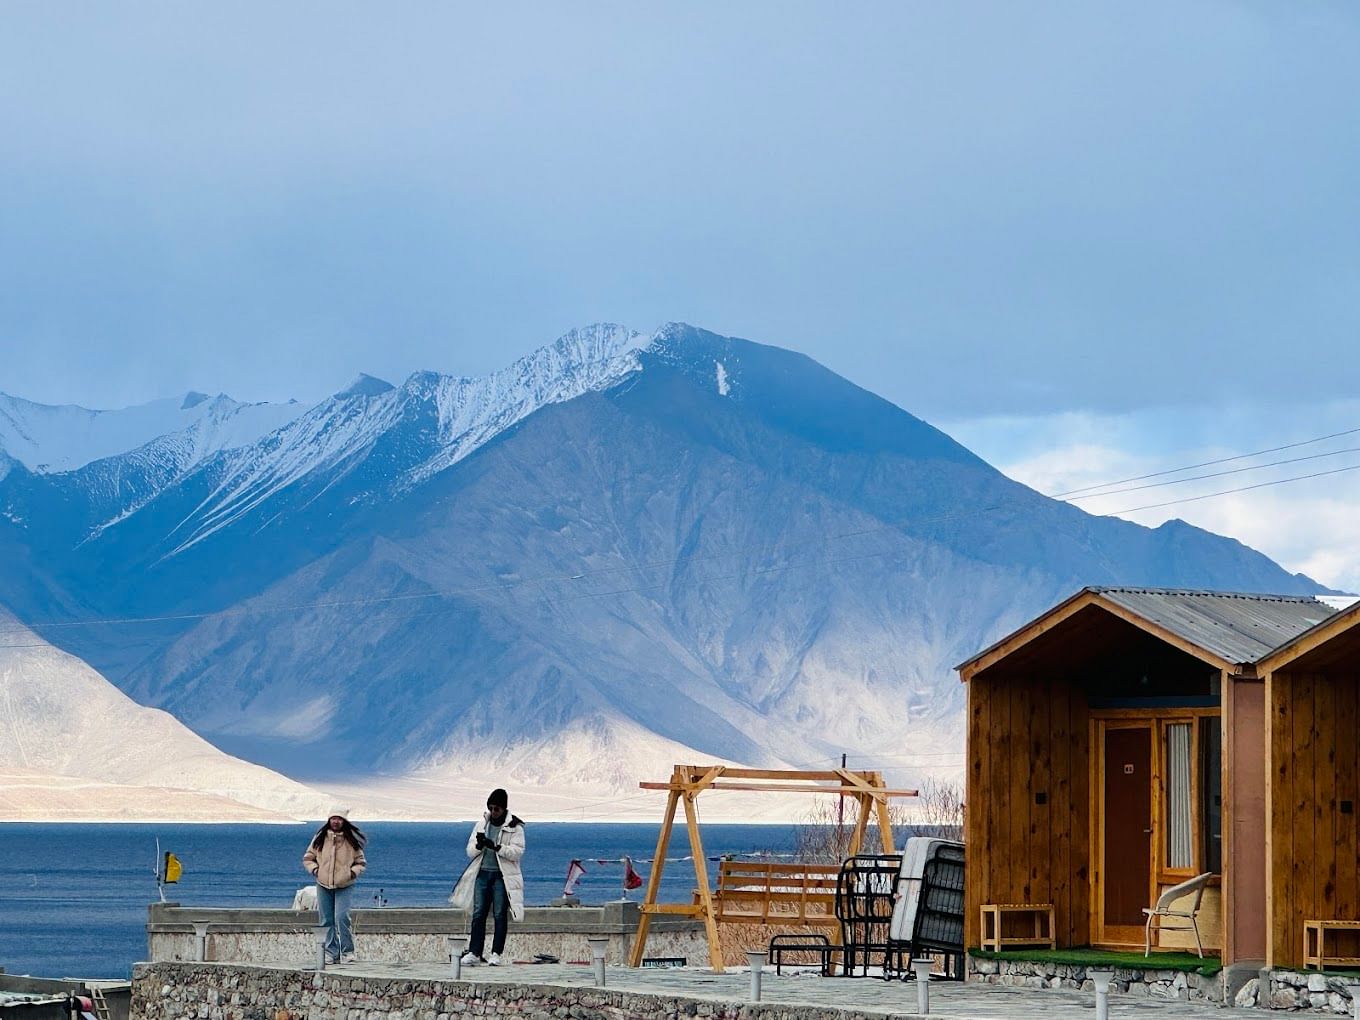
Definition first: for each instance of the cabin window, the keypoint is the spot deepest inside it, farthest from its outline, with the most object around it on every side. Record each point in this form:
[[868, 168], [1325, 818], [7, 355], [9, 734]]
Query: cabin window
[[1211, 791], [1190, 791], [1180, 822]]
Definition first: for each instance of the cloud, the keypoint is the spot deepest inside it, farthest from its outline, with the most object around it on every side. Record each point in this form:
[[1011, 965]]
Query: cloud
[[1046, 207], [1307, 525]]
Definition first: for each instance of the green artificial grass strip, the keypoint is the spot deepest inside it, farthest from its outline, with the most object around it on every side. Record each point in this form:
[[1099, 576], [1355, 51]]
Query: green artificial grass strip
[[1084, 956]]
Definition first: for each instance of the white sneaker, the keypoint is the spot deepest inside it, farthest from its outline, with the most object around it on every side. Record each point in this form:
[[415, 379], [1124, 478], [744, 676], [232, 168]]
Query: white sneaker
[[494, 960], [471, 959], [346, 957]]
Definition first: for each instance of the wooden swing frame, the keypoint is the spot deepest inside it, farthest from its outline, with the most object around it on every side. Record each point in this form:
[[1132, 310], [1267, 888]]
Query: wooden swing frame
[[866, 788]]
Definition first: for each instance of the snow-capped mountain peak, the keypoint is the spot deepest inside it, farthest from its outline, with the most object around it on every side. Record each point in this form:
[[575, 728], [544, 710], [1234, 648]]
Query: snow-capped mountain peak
[[365, 386], [49, 439], [430, 422]]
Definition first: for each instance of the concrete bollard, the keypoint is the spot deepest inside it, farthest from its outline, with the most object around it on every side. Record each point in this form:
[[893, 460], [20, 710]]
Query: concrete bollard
[[322, 932], [757, 961], [1101, 979], [1354, 989], [599, 945], [457, 947], [922, 969], [201, 934]]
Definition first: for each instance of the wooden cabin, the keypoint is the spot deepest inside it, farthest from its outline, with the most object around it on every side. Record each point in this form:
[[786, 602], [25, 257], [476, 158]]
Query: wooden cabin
[[1131, 738]]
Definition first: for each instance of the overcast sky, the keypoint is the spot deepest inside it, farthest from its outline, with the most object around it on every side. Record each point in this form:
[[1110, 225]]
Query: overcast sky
[[1000, 216]]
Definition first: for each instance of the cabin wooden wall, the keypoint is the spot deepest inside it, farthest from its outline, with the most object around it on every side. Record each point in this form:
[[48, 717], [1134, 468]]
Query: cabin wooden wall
[[1025, 736], [1314, 762]]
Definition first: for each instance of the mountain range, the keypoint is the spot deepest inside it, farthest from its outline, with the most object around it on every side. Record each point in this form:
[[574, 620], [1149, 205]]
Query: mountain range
[[619, 552]]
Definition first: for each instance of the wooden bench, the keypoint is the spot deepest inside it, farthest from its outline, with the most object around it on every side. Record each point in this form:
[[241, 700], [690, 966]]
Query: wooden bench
[[998, 912], [760, 892], [1314, 943]]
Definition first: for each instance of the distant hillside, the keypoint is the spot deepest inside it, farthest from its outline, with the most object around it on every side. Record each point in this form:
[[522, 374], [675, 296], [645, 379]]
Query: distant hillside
[[615, 550], [76, 747]]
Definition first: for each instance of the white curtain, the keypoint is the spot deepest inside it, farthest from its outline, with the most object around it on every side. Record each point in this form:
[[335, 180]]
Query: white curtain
[[1179, 826]]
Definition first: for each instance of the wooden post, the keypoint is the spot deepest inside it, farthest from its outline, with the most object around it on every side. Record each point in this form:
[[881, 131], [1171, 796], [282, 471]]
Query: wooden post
[[885, 825], [861, 823], [663, 840], [701, 875]]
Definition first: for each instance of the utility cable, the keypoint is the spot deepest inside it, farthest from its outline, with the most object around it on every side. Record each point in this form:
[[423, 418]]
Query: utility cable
[[1214, 474], [1226, 492], [934, 519], [1206, 463]]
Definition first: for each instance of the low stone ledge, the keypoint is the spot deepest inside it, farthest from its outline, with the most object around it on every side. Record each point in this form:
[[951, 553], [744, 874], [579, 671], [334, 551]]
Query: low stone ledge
[[1149, 983], [166, 991], [402, 934], [1302, 990]]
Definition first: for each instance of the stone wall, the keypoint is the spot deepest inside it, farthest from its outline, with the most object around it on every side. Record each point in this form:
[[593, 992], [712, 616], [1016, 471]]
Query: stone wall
[[1147, 984], [403, 935], [180, 991], [1292, 990]]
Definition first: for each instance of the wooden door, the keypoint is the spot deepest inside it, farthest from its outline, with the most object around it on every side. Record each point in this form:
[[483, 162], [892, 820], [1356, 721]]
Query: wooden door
[[1125, 806]]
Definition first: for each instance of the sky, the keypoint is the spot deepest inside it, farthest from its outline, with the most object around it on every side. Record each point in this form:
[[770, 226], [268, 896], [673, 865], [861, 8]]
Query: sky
[[1087, 239]]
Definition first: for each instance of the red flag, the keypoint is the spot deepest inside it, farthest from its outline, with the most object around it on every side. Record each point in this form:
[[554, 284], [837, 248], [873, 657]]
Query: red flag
[[574, 872], [631, 879]]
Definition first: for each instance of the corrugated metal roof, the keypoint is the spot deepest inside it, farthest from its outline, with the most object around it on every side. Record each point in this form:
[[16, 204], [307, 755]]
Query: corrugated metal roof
[[1237, 627]]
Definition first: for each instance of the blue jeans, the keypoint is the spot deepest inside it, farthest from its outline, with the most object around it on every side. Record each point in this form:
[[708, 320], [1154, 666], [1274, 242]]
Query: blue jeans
[[333, 905], [489, 895]]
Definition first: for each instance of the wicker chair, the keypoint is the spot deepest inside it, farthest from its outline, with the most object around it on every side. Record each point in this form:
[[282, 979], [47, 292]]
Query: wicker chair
[[1163, 910]]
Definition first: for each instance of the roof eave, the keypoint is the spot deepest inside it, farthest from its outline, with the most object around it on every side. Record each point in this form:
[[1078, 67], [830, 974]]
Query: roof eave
[[1315, 636], [1067, 608]]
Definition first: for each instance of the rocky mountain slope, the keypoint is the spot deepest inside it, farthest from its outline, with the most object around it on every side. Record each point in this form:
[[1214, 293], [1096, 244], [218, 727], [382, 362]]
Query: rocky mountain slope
[[619, 550]]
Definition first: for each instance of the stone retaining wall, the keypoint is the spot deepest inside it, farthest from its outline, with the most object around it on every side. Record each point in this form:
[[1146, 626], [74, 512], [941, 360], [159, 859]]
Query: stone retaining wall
[[179, 991], [1148, 984], [1292, 990], [401, 935]]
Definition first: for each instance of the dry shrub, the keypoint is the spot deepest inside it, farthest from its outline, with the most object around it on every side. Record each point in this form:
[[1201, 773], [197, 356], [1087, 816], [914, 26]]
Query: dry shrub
[[823, 834]]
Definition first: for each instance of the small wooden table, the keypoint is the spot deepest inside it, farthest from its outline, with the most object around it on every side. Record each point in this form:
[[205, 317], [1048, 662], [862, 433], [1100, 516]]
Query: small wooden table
[[1314, 943], [997, 912]]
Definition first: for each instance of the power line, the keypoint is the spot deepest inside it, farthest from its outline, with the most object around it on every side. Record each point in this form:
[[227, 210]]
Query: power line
[[1215, 474], [934, 519], [1206, 463], [1226, 492]]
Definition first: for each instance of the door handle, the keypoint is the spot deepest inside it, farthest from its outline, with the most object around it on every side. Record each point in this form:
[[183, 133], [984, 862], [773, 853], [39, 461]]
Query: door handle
[[1147, 832]]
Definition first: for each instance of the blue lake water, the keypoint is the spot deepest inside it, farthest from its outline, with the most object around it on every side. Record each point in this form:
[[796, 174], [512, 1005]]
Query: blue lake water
[[73, 898]]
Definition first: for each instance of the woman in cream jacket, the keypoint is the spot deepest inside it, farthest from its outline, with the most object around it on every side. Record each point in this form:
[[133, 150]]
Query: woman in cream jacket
[[335, 857]]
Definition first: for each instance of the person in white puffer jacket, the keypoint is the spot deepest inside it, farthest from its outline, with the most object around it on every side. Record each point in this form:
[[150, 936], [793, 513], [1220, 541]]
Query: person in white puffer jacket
[[492, 882]]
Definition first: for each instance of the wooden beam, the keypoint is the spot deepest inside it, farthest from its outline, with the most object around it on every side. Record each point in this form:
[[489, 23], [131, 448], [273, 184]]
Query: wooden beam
[[849, 791], [663, 840], [861, 824], [683, 909], [697, 785], [884, 826], [701, 876], [823, 774]]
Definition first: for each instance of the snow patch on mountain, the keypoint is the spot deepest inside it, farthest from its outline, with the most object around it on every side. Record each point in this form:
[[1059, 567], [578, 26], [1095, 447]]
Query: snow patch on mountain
[[48, 439], [450, 417]]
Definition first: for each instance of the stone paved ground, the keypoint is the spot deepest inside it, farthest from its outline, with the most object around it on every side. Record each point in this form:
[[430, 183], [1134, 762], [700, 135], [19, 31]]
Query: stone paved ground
[[870, 995]]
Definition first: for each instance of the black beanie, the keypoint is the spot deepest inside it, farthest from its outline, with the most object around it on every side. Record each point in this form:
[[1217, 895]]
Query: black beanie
[[498, 798]]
